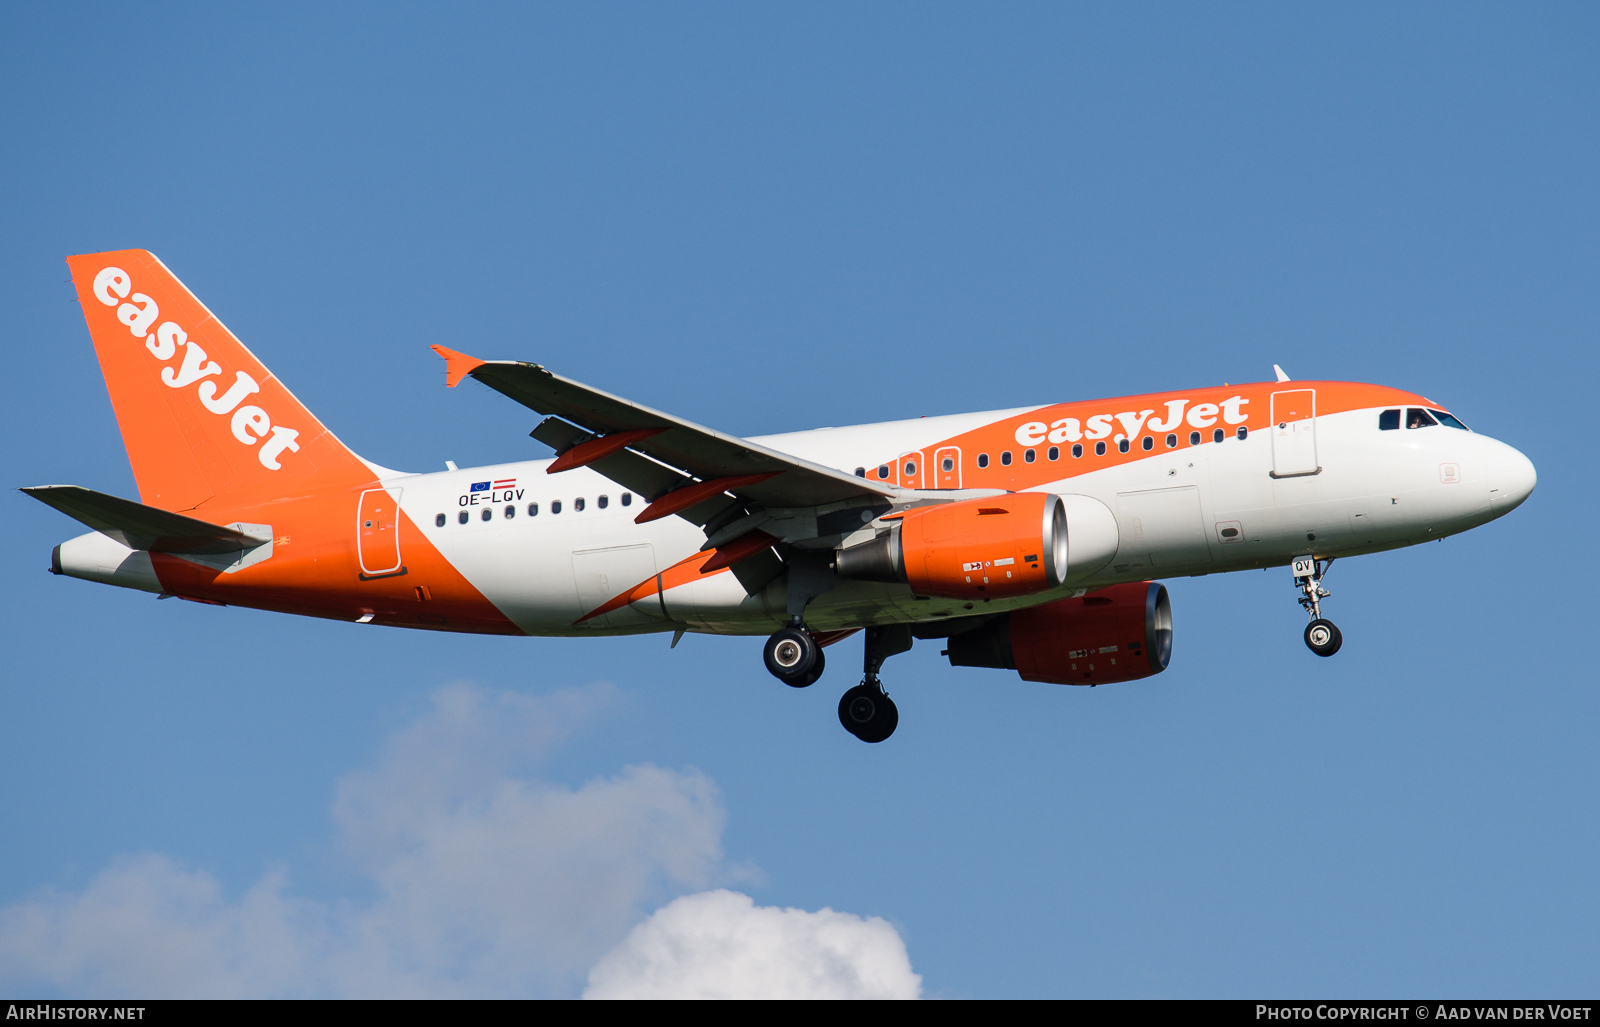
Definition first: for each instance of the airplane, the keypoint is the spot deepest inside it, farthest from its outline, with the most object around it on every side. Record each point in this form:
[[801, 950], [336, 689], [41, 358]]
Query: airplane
[[1027, 539]]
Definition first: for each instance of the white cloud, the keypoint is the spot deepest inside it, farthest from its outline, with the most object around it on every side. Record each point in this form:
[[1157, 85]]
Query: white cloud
[[486, 883], [145, 927], [483, 881], [720, 944]]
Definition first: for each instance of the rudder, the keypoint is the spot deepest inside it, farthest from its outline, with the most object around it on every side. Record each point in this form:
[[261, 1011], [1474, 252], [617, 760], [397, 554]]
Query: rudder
[[203, 421]]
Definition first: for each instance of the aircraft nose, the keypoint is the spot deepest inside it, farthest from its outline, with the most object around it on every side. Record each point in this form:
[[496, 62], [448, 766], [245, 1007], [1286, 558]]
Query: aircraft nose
[[1511, 478]]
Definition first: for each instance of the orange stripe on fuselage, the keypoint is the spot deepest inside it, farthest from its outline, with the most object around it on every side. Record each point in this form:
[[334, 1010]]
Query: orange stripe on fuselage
[[999, 437], [680, 573], [314, 571]]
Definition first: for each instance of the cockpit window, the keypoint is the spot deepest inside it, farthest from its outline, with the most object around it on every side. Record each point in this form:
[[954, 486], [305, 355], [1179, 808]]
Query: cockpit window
[[1389, 420], [1416, 417], [1449, 420]]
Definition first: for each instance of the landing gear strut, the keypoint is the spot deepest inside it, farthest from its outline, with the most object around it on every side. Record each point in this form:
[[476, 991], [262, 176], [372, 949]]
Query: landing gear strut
[[1322, 636], [866, 710], [794, 657]]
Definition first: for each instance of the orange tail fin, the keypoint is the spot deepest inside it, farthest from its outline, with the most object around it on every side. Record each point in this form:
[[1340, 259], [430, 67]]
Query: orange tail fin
[[203, 420]]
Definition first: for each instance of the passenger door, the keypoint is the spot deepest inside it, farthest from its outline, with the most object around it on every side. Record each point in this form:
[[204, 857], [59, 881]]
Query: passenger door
[[378, 533], [1294, 433]]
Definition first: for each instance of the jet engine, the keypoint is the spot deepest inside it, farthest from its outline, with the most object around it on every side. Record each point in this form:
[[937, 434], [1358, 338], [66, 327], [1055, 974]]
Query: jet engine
[[991, 548], [1118, 633]]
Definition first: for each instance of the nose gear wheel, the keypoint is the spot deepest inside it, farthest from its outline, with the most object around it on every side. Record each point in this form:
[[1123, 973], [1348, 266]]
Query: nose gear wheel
[[1323, 637]]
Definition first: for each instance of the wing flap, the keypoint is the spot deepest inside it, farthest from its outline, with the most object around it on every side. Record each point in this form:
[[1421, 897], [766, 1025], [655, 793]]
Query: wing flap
[[143, 527]]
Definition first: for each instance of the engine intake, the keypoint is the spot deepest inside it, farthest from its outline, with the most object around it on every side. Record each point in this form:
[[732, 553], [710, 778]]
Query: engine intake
[[1119, 633], [1009, 545]]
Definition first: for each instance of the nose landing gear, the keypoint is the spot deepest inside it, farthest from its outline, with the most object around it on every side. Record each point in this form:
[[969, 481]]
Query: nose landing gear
[[1322, 636]]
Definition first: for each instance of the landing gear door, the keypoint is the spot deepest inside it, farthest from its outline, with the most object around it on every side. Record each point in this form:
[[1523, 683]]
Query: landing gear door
[[1294, 433], [378, 533]]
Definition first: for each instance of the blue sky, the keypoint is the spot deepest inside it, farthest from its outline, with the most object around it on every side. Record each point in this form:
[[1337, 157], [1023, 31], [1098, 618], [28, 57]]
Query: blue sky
[[768, 218]]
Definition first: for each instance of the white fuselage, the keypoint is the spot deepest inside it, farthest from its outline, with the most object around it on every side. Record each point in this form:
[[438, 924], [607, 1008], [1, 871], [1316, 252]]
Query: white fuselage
[[1185, 511]]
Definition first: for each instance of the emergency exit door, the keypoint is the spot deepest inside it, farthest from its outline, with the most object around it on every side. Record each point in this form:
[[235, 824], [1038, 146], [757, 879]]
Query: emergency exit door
[[1294, 433], [909, 471], [947, 468], [378, 533]]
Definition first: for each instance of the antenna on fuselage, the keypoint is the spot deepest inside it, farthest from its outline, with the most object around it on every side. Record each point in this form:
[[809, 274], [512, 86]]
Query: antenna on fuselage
[[1279, 372]]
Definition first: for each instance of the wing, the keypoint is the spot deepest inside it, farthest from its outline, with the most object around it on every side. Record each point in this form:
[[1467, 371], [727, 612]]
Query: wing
[[680, 466]]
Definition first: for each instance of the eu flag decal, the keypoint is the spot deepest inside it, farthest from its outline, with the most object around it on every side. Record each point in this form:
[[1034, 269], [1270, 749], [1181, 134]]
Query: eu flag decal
[[480, 486]]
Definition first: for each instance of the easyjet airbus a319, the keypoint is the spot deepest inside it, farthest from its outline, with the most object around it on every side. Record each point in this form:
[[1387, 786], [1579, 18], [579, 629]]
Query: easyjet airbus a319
[[1026, 539]]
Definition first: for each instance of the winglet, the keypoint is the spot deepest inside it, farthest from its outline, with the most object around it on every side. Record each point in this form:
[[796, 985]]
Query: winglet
[[1275, 370], [456, 365]]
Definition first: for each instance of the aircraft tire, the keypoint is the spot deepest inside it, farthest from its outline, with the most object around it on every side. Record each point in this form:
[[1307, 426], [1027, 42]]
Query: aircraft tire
[[1323, 637], [814, 673], [868, 714], [791, 654]]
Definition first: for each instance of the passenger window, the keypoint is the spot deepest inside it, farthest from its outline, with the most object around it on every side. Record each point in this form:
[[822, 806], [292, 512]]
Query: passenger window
[[1216, 436], [533, 509], [603, 502], [861, 472], [555, 506], [1077, 450], [947, 464], [1449, 420], [462, 517], [1029, 456], [438, 522], [1418, 418], [487, 513], [1194, 438], [1122, 447], [1243, 432], [627, 499], [1099, 449], [511, 512], [577, 504], [1054, 453], [1148, 442], [911, 467], [1005, 458], [983, 459], [1389, 420], [883, 471], [1172, 442]]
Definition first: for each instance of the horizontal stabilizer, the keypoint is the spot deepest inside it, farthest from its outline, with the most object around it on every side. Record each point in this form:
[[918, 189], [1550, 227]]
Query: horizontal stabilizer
[[143, 527]]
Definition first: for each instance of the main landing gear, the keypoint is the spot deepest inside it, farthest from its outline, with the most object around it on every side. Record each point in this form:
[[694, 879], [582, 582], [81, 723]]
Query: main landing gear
[[1322, 636], [794, 657], [866, 710]]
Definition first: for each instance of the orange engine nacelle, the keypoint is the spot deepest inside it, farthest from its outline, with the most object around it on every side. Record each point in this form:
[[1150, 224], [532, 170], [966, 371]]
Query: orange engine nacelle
[[1116, 634], [1010, 545]]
